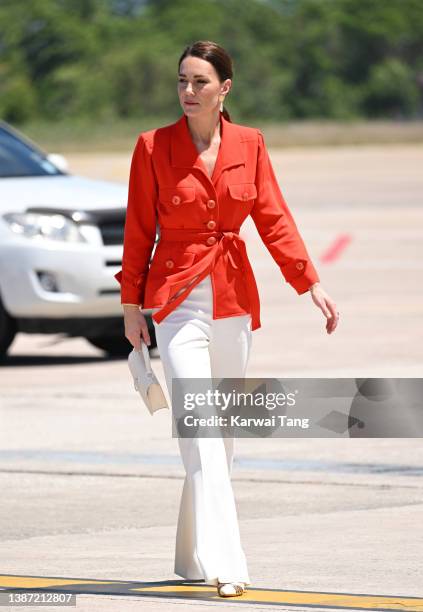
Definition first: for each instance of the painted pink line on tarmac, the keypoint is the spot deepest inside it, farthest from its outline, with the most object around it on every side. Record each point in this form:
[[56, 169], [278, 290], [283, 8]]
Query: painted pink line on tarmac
[[335, 250]]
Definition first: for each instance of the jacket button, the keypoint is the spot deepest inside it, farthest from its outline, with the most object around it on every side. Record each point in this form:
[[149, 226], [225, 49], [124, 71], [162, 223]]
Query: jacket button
[[176, 199], [211, 240], [211, 224], [245, 195], [169, 263], [211, 204], [299, 265]]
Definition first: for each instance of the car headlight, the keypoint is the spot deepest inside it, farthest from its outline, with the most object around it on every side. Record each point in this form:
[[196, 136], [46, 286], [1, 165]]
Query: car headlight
[[41, 226]]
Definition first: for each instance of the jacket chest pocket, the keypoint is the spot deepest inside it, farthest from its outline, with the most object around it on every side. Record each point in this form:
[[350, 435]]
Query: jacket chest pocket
[[175, 197], [243, 192]]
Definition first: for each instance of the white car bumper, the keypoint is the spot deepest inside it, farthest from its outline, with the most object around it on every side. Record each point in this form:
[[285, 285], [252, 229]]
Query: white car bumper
[[83, 274]]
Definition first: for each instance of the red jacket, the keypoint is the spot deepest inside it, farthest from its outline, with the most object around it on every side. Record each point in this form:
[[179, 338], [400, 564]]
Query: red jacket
[[199, 220]]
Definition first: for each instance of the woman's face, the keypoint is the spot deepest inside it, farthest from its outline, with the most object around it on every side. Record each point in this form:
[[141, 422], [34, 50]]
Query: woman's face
[[199, 84]]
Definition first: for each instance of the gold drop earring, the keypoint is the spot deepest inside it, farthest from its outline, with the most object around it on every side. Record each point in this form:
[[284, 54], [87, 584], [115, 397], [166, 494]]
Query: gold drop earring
[[221, 98]]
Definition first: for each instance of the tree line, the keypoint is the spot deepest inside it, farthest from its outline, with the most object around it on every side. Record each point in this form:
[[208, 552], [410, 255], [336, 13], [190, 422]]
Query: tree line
[[293, 59]]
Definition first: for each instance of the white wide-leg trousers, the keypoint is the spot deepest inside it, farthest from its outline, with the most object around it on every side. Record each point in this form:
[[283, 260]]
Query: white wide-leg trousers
[[193, 345]]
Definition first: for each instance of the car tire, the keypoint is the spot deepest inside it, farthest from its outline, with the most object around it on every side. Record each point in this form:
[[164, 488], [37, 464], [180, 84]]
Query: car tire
[[114, 346], [117, 346], [8, 330]]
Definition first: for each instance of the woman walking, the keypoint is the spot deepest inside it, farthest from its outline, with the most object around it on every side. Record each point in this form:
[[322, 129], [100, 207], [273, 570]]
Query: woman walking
[[198, 179]]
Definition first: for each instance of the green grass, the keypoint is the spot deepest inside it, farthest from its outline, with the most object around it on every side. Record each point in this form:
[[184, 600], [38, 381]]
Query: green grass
[[119, 135]]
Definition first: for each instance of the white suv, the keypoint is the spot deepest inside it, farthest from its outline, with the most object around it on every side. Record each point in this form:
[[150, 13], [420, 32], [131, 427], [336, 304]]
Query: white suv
[[61, 240]]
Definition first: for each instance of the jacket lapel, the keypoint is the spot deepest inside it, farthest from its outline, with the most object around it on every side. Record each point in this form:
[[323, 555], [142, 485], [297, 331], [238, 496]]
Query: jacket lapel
[[184, 153]]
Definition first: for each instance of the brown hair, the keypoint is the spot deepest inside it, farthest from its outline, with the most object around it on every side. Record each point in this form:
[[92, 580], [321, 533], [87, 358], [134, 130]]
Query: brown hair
[[216, 55]]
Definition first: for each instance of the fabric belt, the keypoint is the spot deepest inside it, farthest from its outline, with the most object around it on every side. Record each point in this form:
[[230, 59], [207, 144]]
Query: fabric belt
[[182, 283]]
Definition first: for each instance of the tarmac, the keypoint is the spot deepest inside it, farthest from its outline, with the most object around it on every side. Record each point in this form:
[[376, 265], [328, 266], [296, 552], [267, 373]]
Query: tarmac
[[91, 482]]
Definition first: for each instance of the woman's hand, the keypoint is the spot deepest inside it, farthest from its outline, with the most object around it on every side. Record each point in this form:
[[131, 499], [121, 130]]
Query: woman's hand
[[135, 326], [326, 305]]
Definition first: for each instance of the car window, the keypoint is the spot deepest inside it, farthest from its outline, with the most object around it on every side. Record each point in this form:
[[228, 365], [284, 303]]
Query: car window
[[19, 159]]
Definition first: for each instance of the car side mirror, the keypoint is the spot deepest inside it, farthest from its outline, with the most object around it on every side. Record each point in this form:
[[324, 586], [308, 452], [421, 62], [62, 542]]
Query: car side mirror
[[59, 161]]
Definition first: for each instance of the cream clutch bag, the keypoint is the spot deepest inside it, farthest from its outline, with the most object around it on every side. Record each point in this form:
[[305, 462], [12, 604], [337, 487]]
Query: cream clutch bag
[[145, 381]]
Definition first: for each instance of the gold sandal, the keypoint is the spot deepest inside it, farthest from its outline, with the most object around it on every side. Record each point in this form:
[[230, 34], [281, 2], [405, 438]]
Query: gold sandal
[[231, 589]]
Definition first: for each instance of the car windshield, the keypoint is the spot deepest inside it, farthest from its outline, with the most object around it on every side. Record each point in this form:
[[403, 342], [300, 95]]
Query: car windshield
[[19, 159]]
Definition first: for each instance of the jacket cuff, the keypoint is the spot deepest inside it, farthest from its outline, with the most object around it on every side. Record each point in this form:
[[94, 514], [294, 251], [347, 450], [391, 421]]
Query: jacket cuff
[[300, 274], [131, 292]]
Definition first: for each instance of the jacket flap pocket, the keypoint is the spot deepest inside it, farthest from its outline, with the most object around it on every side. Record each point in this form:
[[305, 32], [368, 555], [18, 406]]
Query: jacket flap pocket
[[243, 191], [183, 260], [171, 263], [176, 195]]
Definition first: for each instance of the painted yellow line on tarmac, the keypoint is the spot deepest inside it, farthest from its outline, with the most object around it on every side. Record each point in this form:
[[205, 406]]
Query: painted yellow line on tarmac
[[35, 582], [296, 598], [336, 601]]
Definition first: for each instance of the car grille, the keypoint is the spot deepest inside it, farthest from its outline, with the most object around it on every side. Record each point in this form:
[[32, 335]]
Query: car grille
[[111, 224], [112, 231]]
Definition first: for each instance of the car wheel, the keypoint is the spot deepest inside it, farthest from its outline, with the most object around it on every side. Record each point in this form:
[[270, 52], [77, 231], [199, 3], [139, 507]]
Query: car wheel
[[119, 346], [116, 347], [8, 329]]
